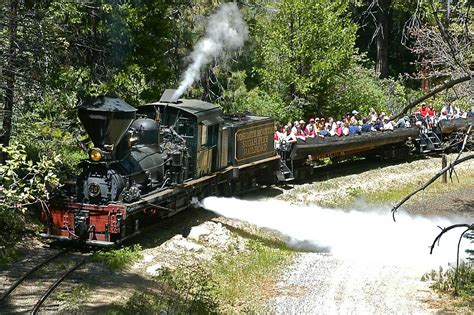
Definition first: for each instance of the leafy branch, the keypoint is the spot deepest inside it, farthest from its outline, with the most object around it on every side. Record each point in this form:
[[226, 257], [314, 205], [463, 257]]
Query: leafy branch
[[24, 182]]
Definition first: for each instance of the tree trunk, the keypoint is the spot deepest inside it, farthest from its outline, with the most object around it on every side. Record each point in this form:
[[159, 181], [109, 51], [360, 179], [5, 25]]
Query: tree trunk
[[382, 7], [9, 74]]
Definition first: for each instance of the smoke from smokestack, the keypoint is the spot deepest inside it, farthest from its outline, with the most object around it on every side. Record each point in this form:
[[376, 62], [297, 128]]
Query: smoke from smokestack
[[226, 31]]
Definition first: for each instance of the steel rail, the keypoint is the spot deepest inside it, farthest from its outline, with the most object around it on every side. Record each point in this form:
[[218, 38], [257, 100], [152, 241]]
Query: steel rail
[[23, 277], [50, 290]]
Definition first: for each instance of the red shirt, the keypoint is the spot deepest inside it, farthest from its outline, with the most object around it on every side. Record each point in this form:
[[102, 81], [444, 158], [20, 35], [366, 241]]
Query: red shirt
[[423, 111]]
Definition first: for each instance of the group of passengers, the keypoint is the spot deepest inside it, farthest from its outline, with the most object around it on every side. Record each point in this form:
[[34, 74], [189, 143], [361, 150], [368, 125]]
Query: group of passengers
[[350, 124], [426, 116]]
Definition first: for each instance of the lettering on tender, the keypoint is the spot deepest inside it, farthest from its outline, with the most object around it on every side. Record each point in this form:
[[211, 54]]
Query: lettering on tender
[[255, 141]]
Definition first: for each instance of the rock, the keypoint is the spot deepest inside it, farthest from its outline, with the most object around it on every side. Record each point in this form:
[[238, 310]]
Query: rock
[[153, 269], [148, 258], [198, 231]]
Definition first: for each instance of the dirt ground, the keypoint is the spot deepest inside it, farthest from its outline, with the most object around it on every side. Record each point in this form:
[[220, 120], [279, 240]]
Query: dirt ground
[[334, 285], [326, 283]]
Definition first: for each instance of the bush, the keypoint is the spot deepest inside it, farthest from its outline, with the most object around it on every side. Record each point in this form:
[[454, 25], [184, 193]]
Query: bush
[[22, 183], [119, 259], [444, 281]]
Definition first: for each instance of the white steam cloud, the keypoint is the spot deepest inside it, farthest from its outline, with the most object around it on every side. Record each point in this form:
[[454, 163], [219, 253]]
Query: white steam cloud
[[368, 236], [226, 31]]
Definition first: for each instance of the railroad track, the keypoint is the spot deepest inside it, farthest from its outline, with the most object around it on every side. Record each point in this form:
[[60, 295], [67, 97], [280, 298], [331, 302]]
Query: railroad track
[[29, 291]]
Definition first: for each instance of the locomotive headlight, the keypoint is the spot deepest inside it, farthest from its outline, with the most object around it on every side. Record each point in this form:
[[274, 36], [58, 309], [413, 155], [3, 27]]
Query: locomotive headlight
[[95, 155], [94, 190]]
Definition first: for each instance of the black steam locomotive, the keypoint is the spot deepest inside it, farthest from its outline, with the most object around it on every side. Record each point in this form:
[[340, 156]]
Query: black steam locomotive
[[151, 162]]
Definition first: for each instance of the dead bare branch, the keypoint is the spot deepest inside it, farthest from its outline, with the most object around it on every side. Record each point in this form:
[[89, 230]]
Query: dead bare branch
[[440, 88], [429, 182], [469, 227]]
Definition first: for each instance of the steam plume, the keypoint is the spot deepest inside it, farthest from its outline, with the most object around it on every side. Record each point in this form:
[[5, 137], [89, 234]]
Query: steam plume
[[369, 235], [226, 31]]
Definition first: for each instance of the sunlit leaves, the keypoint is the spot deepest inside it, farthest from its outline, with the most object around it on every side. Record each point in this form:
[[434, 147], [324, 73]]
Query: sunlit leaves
[[23, 182]]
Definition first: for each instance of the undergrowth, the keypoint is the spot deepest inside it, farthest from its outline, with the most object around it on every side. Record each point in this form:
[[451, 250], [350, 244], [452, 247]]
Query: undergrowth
[[119, 259], [231, 283], [245, 280], [75, 297], [444, 282], [182, 291]]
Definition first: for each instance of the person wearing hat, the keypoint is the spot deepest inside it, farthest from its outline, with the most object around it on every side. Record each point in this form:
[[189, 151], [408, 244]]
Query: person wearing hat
[[354, 121], [302, 124]]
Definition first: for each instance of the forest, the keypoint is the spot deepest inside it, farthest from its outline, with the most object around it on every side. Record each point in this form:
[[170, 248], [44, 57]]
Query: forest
[[299, 59]]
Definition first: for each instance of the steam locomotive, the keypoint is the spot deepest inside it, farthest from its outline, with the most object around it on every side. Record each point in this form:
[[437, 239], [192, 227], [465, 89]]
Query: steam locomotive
[[150, 162]]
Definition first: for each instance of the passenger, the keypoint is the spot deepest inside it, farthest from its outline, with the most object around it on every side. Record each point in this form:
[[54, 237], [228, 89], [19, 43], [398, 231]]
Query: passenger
[[290, 138], [302, 125], [448, 108], [366, 127], [316, 125], [346, 119], [311, 123], [299, 133], [338, 130], [431, 111], [345, 130], [354, 119], [373, 115], [443, 116], [322, 123], [310, 132], [423, 110], [456, 114], [331, 127], [403, 122], [378, 125], [279, 136], [387, 124], [294, 129]]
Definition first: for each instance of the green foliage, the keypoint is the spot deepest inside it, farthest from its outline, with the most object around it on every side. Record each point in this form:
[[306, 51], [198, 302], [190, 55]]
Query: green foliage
[[75, 297], [51, 129], [242, 278], [187, 291], [444, 281], [302, 47], [22, 183], [360, 88], [256, 101], [119, 259]]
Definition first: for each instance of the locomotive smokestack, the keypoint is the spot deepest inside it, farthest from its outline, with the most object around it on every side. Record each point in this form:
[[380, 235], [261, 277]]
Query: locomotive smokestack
[[106, 119], [226, 31]]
